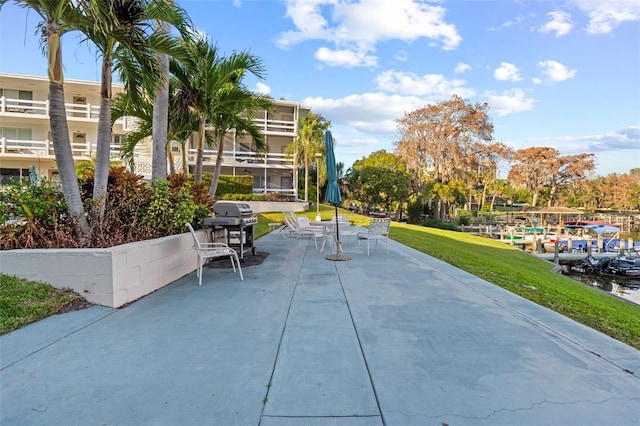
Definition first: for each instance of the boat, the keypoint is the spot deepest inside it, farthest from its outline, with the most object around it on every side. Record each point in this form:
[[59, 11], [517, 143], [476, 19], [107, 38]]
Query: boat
[[596, 226], [625, 265]]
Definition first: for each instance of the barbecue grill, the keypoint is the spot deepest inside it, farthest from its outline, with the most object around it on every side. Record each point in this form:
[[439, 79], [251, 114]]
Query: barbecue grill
[[238, 220]]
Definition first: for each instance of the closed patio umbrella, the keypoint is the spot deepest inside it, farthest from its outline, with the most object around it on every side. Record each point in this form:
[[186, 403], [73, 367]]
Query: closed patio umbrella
[[332, 195]]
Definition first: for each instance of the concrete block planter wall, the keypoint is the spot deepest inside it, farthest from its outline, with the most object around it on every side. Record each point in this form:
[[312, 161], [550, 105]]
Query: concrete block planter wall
[[111, 276]]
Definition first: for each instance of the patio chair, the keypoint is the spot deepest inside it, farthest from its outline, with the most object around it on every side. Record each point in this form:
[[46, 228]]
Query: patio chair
[[291, 228], [378, 230], [208, 251], [308, 230]]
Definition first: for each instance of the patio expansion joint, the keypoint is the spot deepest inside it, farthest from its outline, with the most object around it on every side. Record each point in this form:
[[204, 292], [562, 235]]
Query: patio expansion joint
[[362, 353]]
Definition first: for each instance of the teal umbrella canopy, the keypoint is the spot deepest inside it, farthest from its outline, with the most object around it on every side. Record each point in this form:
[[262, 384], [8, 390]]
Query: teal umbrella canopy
[[332, 195]]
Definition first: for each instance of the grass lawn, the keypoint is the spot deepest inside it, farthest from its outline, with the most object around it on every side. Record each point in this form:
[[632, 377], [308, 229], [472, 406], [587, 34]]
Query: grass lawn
[[23, 302]]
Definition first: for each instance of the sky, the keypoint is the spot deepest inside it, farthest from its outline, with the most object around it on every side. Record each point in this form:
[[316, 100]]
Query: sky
[[562, 74]]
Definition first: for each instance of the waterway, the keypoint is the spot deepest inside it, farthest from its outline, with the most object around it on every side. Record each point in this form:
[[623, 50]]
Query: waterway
[[625, 288]]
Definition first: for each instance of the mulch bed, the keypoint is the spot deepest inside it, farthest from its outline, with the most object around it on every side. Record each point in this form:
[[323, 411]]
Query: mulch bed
[[75, 305], [249, 260]]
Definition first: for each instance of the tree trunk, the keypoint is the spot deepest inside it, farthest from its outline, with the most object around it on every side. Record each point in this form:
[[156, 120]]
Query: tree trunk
[[185, 166], [60, 136], [172, 166], [200, 154], [161, 116], [306, 178], [64, 159], [101, 172], [216, 173]]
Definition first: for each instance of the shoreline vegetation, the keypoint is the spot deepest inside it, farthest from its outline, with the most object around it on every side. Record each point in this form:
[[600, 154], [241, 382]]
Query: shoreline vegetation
[[491, 260]]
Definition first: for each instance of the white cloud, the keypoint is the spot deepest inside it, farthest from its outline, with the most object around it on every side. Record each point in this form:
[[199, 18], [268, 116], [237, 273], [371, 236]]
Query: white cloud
[[358, 26], [434, 86], [345, 57], [560, 23], [626, 139], [604, 16], [461, 67], [507, 72], [262, 88], [369, 113], [402, 56], [556, 71], [509, 102], [237, 3]]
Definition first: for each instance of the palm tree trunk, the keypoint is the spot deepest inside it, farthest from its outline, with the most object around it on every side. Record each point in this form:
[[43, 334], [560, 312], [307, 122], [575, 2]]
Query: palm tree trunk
[[172, 166], [161, 116], [101, 172], [216, 172], [185, 166], [200, 154], [306, 178], [60, 136]]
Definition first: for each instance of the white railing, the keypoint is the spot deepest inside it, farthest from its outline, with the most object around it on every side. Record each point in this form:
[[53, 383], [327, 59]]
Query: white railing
[[31, 148], [41, 109], [275, 126], [242, 158]]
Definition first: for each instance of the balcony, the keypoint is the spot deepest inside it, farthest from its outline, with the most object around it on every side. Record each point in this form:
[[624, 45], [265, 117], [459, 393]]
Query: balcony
[[86, 150], [40, 109]]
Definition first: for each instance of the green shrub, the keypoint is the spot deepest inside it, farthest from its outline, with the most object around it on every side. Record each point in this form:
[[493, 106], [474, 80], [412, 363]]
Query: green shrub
[[243, 197], [234, 185], [42, 204], [435, 223], [169, 209]]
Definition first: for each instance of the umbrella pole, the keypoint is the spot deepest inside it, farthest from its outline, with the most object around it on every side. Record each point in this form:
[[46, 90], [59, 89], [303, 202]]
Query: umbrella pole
[[338, 251]]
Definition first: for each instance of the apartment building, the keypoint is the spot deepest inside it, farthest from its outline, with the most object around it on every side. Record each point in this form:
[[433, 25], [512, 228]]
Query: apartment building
[[25, 136]]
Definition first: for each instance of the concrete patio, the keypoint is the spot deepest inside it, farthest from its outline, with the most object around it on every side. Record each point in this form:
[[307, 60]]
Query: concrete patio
[[399, 339]]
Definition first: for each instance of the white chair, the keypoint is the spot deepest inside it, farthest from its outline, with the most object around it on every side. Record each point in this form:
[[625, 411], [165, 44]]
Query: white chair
[[211, 251], [308, 230], [378, 230]]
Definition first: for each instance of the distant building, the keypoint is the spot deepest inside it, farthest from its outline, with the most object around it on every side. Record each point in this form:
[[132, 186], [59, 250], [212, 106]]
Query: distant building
[[25, 136]]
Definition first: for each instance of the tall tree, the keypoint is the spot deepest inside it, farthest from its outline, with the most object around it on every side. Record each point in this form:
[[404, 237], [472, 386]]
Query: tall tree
[[380, 179], [308, 143], [543, 169], [204, 83], [237, 107], [58, 17], [438, 141], [121, 30]]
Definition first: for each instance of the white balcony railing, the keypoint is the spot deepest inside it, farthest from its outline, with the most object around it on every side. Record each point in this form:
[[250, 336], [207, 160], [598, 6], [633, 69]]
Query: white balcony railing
[[43, 148], [85, 150], [41, 109], [92, 112]]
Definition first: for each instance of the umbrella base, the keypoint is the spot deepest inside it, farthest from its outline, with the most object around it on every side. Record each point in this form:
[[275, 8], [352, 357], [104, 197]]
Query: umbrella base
[[338, 256]]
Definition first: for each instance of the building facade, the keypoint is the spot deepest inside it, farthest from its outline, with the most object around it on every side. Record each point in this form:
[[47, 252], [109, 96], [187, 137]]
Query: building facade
[[25, 137]]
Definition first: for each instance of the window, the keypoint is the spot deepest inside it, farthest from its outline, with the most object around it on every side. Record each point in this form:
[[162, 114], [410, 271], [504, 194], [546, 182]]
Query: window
[[15, 133], [285, 182], [7, 176], [25, 95]]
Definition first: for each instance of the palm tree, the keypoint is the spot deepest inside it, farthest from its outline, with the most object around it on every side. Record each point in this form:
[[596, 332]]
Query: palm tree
[[237, 108], [209, 86], [121, 31], [58, 17], [310, 141], [181, 125]]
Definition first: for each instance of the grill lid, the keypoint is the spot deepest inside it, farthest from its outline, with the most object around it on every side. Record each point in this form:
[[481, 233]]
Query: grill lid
[[223, 209]]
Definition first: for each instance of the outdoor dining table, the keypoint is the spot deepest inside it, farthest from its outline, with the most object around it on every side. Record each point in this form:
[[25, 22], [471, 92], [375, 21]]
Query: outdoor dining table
[[329, 228]]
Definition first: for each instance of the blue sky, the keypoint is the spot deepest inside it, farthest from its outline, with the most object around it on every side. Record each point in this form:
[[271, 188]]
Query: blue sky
[[564, 73]]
